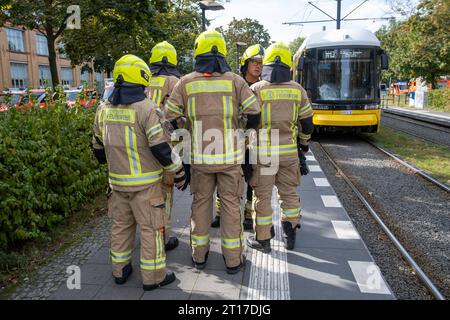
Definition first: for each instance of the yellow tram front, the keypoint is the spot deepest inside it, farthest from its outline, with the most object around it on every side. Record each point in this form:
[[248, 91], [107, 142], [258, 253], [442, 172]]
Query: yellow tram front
[[340, 70]]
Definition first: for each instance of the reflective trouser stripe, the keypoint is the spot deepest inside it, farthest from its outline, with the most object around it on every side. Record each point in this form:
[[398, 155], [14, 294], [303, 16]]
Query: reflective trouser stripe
[[264, 220], [292, 213], [200, 240], [121, 257], [153, 264], [232, 243]]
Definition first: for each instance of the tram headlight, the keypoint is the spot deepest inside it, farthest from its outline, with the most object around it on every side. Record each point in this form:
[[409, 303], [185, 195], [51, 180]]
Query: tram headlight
[[371, 107]]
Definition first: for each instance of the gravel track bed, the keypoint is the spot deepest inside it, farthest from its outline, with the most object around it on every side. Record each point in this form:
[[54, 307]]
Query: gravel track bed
[[419, 129], [49, 277], [415, 210]]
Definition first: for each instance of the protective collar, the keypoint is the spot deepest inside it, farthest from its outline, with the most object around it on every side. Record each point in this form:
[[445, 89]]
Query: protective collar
[[164, 69], [276, 73], [209, 63], [127, 93]]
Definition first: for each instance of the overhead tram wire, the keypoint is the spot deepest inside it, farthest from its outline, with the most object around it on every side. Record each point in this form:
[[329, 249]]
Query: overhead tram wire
[[338, 19]]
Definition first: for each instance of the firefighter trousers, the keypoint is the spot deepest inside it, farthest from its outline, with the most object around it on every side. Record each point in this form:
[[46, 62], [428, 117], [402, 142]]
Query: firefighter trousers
[[230, 184], [286, 178], [146, 208]]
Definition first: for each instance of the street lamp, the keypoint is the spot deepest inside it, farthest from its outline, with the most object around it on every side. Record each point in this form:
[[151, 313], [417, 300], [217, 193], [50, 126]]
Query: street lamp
[[238, 44], [208, 5]]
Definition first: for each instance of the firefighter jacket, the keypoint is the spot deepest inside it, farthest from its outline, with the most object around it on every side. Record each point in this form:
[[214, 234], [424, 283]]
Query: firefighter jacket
[[212, 104], [160, 88], [283, 107], [133, 140]]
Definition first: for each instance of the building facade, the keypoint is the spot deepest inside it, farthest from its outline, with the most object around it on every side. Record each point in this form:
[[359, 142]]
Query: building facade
[[24, 62]]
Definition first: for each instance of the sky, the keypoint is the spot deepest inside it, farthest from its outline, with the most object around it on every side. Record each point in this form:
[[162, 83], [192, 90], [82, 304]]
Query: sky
[[272, 13]]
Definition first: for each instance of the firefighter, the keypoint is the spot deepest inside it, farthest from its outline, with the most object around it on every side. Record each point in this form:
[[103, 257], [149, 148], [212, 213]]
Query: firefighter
[[212, 98], [163, 66], [129, 138], [251, 67], [285, 108]]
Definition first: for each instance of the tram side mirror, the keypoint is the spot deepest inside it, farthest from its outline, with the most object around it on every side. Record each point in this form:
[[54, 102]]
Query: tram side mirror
[[384, 61]]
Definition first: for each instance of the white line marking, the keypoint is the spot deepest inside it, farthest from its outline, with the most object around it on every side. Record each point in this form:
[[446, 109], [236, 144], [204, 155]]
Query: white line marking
[[310, 158], [321, 182], [315, 169], [268, 274], [345, 230], [331, 202], [368, 277]]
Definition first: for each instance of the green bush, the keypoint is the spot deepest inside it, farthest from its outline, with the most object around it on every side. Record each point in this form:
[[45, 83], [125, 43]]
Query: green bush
[[439, 99], [47, 170]]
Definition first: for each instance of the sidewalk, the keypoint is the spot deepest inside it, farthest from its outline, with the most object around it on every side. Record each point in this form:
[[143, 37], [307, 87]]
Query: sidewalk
[[330, 261]]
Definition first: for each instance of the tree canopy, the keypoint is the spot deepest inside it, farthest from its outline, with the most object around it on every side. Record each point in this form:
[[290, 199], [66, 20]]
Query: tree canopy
[[246, 30], [420, 45]]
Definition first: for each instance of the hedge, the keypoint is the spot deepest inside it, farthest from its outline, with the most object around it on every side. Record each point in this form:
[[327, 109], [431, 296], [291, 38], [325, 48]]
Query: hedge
[[439, 99], [47, 170]]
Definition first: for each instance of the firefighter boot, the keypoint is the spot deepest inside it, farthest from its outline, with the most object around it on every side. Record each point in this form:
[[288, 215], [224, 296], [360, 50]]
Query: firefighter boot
[[172, 243], [126, 272], [170, 277], [234, 270], [200, 265], [289, 234], [261, 245]]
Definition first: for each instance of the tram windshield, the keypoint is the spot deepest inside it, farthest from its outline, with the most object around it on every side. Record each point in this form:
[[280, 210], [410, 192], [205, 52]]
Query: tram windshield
[[344, 74]]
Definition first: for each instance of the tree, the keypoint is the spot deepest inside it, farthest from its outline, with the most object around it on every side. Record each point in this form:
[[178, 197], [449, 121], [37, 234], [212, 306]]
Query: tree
[[113, 32], [295, 44], [246, 30], [419, 46]]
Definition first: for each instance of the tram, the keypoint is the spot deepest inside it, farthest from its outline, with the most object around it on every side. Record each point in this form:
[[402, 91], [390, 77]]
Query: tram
[[340, 70]]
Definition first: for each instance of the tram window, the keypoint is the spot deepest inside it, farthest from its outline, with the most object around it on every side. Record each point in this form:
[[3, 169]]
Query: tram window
[[345, 74]]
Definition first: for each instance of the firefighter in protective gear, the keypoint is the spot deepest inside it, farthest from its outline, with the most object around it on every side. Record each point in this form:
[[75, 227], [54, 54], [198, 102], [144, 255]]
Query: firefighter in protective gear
[[212, 98], [129, 138], [251, 67], [285, 108], [163, 66]]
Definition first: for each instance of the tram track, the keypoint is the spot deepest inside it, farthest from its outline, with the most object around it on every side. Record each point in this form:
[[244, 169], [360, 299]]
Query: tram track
[[383, 217]]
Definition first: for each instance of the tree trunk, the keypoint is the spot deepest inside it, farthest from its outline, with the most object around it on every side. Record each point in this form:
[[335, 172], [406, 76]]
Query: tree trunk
[[52, 56]]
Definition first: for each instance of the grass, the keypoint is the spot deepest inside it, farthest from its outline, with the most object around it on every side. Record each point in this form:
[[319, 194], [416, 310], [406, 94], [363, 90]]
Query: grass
[[427, 156], [17, 265]]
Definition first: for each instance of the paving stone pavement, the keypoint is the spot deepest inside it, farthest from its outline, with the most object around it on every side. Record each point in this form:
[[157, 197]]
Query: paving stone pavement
[[91, 254]]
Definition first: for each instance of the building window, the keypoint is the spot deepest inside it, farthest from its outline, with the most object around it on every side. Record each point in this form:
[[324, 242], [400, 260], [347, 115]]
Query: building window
[[45, 76], [15, 40], [41, 45], [66, 76], [84, 78], [19, 75]]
